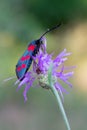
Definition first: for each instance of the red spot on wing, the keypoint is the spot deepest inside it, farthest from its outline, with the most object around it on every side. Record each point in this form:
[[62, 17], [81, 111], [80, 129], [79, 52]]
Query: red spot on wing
[[25, 58], [31, 47], [19, 68], [23, 66]]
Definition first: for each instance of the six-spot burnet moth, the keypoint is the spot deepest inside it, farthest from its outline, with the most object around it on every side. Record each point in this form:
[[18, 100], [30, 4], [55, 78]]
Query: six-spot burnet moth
[[25, 61]]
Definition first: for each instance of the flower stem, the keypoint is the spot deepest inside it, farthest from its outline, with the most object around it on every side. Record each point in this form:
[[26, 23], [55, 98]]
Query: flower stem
[[54, 91]]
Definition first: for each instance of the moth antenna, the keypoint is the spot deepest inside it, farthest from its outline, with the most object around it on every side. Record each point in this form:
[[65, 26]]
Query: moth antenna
[[49, 30]]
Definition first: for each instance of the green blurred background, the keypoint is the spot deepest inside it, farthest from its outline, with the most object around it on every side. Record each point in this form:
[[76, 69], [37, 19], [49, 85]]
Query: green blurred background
[[22, 21]]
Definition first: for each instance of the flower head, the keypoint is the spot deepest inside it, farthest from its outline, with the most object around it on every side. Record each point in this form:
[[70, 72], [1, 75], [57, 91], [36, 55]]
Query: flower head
[[39, 71]]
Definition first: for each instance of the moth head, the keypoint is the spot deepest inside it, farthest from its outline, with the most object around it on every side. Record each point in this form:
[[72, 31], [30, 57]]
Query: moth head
[[42, 40]]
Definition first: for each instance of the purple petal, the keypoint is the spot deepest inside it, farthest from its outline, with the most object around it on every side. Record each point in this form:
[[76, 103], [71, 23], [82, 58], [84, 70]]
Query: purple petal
[[27, 88], [61, 58], [22, 83], [64, 77], [58, 85], [63, 54], [25, 92], [66, 81], [27, 79], [34, 66], [68, 75]]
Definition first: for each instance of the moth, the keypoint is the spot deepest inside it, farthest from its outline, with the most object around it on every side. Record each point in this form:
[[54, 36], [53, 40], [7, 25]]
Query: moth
[[26, 59]]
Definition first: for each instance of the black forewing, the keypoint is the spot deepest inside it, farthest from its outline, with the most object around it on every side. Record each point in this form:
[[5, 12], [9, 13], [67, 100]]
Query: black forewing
[[23, 64]]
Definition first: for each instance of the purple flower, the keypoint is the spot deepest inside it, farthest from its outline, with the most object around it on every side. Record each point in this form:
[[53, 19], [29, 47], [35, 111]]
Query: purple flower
[[39, 72]]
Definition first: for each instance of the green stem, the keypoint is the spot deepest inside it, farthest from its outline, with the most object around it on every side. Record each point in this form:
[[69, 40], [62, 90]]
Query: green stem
[[53, 89]]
